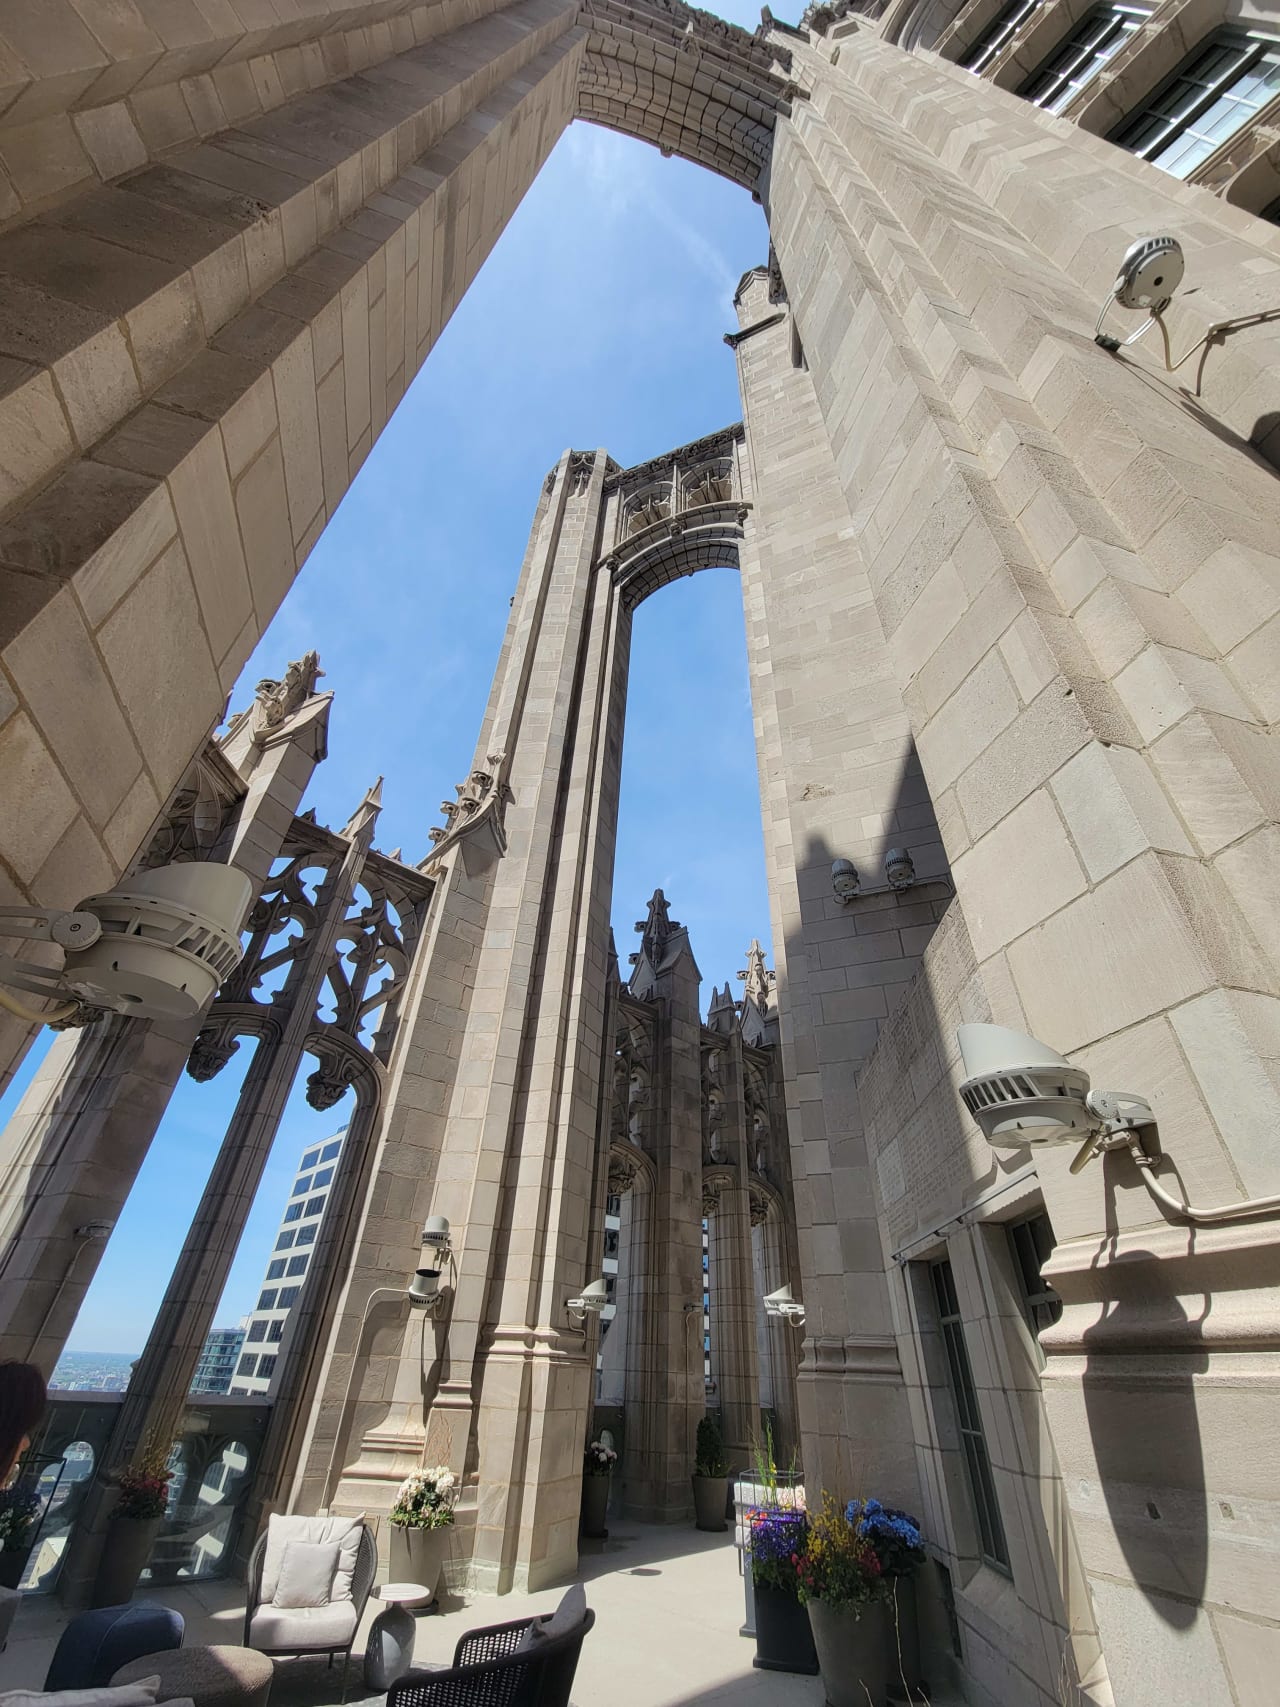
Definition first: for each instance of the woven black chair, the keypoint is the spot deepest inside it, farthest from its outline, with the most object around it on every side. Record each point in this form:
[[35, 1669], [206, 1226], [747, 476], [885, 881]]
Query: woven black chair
[[490, 1669]]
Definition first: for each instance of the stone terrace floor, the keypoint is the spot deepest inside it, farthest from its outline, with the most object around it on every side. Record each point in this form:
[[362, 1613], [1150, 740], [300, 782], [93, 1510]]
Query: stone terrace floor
[[668, 1605]]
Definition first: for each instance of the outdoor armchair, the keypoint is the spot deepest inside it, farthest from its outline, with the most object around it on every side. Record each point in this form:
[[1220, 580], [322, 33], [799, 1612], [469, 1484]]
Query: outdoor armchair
[[307, 1585], [500, 1666]]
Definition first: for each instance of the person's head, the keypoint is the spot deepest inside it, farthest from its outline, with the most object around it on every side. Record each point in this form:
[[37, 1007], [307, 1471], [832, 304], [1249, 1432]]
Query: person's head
[[23, 1397]]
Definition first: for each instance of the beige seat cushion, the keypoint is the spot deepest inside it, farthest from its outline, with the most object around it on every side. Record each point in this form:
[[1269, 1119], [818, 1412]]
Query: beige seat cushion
[[299, 1630], [281, 1530]]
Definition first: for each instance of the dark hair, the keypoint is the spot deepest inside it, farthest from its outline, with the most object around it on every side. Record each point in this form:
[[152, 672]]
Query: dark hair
[[23, 1397]]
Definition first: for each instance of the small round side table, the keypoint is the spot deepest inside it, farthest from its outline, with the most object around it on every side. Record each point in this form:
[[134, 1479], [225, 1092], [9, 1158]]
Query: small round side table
[[388, 1653]]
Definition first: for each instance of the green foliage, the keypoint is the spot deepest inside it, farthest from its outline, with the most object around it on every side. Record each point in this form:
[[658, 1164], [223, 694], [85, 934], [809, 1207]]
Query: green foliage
[[709, 1458]]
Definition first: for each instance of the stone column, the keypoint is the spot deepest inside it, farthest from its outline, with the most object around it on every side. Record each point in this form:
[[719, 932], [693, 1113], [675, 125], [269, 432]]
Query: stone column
[[158, 1388], [519, 1172], [1075, 615], [671, 1396], [838, 779], [733, 1301], [72, 1149]]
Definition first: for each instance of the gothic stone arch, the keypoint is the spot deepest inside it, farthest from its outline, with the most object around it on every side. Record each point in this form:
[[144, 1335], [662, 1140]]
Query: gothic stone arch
[[987, 568]]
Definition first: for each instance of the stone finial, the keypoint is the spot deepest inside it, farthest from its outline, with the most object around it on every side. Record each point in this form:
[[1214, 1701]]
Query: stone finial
[[756, 976], [366, 814], [657, 928]]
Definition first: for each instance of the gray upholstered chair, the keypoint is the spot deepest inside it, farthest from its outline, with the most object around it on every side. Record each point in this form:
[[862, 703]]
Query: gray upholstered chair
[[323, 1626]]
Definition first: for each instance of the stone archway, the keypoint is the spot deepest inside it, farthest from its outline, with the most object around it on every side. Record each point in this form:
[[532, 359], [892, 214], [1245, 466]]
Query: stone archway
[[974, 535]]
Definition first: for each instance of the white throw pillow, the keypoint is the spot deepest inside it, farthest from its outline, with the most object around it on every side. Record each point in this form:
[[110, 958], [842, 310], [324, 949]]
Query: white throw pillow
[[281, 1530], [139, 1694], [307, 1570]]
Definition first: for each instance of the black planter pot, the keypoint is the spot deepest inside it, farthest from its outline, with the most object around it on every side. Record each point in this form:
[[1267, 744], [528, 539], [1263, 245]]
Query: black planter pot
[[784, 1636], [12, 1564]]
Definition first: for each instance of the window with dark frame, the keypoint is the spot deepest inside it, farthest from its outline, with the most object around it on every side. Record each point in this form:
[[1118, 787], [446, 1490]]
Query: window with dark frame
[[287, 1296], [275, 1269], [998, 34], [267, 1300], [330, 1150], [300, 1186], [257, 1330], [266, 1368], [297, 1265], [1214, 93], [314, 1205], [1033, 1241], [977, 1460], [1096, 38], [248, 1366]]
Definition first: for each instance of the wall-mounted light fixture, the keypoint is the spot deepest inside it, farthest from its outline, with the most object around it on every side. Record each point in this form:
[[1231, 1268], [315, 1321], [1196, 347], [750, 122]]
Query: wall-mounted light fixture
[[1022, 1092], [899, 869], [845, 880], [899, 874], [590, 1301], [423, 1291], [781, 1303], [155, 947]]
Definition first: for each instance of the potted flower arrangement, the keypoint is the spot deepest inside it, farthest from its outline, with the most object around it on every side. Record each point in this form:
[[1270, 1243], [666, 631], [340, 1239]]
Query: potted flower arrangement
[[777, 1537], [710, 1478], [19, 1508], [142, 1496], [419, 1519], [899, 1546], [598, 1461], [843, 1587]]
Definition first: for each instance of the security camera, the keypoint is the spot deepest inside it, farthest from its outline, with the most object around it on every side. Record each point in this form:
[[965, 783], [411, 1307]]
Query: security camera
[[155, 947], [1022, 1092], [1150, 272]]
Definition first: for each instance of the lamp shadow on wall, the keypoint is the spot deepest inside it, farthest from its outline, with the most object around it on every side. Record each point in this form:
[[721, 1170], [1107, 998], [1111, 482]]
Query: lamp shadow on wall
[[1143, 1357]]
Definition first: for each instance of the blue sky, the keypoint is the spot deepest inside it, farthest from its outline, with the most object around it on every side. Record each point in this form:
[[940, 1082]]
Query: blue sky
[[598, 320]]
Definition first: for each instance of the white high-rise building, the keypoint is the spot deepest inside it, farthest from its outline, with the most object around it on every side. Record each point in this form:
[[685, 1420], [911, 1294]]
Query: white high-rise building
[[290, 1256]]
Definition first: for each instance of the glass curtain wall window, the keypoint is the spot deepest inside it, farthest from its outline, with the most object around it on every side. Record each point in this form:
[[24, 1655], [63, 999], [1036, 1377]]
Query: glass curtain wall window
[[998, 34], [1098, 37], [977, 1460], [1221, 88]]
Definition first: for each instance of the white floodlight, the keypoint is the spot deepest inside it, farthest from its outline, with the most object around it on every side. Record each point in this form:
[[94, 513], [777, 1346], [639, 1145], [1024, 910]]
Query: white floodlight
[[590, 1301], [155, 947], [781, 1303]]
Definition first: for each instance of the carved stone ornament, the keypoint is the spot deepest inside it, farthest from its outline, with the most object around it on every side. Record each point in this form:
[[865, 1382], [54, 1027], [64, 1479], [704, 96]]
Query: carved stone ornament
[[332, 1079], [710, 1198], [482, 798], [581, 466], [760, 1205], [210, 1052], [622, 1172], [278, 700]]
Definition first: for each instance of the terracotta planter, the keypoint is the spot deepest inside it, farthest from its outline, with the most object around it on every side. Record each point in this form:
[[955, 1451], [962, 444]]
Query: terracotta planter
[[418, 1555], [124, 1554], [784, 1639], [709, 1496], [852, 1644], [595, 1503]]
